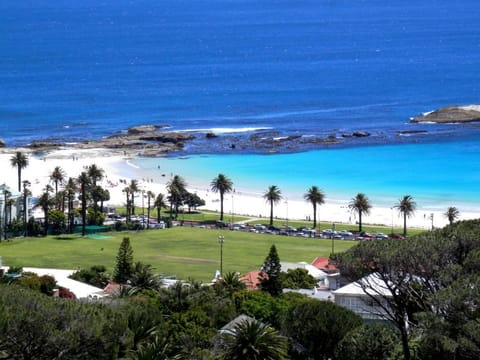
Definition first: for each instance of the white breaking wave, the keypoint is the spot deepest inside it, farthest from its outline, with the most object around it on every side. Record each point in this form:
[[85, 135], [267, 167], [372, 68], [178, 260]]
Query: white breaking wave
[[226, 130]]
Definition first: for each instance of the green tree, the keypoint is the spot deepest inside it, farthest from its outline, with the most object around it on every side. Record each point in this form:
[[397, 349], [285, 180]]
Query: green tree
[[318, 326], [230, 283], [150, 196], [58, 220], [252, 340], [124, 267], [361, 205], [84, 183], [70, 191], [373, 341], [223, 185], [20, 161], [406, 207], [45, 201], [159, 204], [177, 188], [273, 195], [297, 279], [452, 214], [57, 177], [271, 283], [316, 197], [6, 202], [134, 188], [25, 193]]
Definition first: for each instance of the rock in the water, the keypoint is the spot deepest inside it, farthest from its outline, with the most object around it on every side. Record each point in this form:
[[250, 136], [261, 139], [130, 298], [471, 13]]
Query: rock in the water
[[361, 134], [142, 129], [451, 114], [211, 135], [2, 143]]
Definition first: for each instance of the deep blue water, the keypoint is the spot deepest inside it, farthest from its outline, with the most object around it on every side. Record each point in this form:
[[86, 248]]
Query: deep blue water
[[77, 69]]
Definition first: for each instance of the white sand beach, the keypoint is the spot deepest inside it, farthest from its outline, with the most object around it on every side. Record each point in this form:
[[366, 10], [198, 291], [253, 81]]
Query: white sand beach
[[116, 167]]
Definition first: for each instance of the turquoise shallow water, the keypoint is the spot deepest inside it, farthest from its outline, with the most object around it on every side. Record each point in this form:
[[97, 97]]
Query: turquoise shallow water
[[436, 175]]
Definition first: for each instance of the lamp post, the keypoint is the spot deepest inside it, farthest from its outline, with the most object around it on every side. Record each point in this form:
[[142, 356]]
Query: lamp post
[[392, 219], [286, 203], [221, 239]]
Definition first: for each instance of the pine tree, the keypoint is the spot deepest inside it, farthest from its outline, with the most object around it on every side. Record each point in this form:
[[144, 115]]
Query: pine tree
[[124, 266], [271, 267]]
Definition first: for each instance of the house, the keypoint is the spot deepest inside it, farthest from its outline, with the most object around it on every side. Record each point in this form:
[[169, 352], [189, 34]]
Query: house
[[252, 279], [365, 297], [312, 270], [333, 279], [11, 206]]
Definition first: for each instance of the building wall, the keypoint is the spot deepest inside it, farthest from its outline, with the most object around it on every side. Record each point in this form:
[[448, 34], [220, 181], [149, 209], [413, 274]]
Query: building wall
[[361, 305]]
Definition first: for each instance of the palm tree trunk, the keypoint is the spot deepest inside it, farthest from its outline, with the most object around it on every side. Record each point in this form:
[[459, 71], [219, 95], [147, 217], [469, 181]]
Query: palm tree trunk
[[19, 169], [271, 212], [314, 216], [405, 224], [360, 221], [221, 206]]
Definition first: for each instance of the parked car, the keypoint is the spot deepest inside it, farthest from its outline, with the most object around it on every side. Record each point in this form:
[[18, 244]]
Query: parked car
[[381, 236], [397, 236]]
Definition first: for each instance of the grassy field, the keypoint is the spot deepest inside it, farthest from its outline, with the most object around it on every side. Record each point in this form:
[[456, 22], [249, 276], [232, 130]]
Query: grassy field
[[181, 251]]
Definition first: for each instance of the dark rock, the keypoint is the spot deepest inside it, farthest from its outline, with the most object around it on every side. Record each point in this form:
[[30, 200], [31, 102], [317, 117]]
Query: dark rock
[[172, 137], [142, 129], [2, 143], [211, 135], [361, 134], [44, 145], [451, 114], [346, 135]]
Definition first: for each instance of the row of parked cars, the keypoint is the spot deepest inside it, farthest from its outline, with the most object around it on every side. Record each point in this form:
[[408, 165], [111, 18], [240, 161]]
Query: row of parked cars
[[312, 233]]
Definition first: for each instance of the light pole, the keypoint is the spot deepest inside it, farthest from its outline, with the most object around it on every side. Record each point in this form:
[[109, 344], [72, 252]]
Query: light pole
[[392, 219], [221, 239], [286, 203]]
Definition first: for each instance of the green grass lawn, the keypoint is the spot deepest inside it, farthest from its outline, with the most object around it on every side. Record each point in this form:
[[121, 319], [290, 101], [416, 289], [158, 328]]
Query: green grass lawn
[[182, 251]]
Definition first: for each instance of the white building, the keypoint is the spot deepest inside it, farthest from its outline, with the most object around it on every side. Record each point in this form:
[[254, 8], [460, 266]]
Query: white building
[[11, 207], [365, 297]]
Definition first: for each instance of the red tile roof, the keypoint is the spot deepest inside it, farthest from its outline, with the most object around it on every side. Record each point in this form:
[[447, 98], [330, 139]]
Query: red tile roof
[[251, 279], [323, 263]]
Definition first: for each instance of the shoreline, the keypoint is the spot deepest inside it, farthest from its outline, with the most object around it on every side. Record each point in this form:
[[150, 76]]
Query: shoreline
[[243, 201]]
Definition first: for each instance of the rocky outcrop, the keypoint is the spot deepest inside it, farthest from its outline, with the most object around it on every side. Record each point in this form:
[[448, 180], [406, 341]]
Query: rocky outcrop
[[2, 143], [142, 129], [451, 114], [141, 140]]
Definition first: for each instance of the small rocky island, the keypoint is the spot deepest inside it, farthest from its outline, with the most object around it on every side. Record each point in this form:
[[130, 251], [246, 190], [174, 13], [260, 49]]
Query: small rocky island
[[450, 114]]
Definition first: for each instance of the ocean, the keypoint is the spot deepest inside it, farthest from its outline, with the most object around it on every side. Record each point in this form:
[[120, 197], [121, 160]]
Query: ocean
[[71, 70]]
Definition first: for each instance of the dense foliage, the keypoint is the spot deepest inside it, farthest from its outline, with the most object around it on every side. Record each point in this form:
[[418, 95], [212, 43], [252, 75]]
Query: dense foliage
[[434, 282]]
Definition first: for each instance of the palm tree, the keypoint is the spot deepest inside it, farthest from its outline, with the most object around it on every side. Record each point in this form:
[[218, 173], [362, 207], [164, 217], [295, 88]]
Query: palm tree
[[95, 173], [360, 204], [45, 202], [252, 340], [20, 161], [26, 193], [83, 181], [406, 206], [57, 177], [452, 214], [150, 195], [273, 195], [133, 189], [6, 198], [70, 191], [316, 197], [159, 204], [177, 187], [222, 185], [128, 205]]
